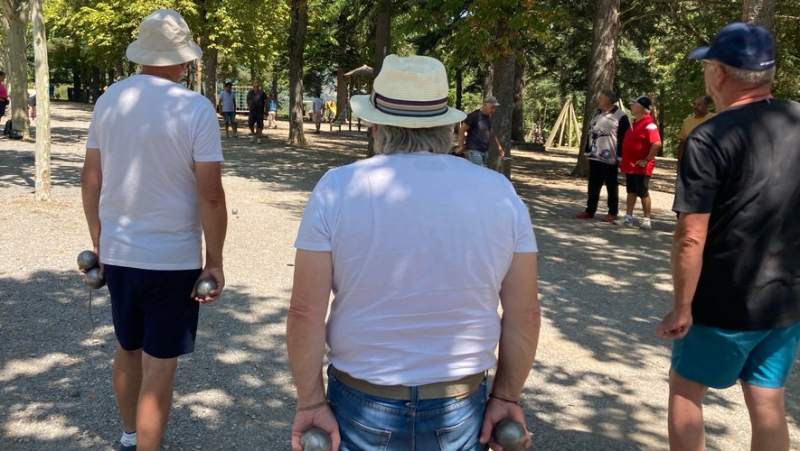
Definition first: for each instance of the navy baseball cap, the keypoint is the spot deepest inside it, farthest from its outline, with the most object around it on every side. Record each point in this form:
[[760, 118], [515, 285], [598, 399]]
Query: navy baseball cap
[[741, 45]]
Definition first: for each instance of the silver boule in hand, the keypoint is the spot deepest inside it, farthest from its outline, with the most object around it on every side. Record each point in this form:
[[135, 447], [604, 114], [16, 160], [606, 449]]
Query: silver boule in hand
[[204, 288], [315, 439], [87, 260], [510, 435], [93, 279]]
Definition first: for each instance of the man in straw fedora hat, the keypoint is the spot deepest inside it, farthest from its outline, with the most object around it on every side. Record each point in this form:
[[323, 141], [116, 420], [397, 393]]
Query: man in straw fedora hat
[[418, 247], [151, 190]]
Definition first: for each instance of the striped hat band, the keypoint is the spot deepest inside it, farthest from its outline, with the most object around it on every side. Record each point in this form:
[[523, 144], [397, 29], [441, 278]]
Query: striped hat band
[[409, 108]]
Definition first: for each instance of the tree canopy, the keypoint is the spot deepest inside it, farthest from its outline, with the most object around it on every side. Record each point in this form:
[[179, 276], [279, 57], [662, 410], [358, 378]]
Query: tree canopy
[[551, 40]]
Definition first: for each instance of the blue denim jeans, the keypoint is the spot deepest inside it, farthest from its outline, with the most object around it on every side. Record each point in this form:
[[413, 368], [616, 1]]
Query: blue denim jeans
[[371, 423], [477, 157]]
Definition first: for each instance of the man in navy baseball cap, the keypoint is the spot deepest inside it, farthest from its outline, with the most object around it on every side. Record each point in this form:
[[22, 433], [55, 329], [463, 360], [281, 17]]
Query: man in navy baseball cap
[[740, 45], [735, 272]]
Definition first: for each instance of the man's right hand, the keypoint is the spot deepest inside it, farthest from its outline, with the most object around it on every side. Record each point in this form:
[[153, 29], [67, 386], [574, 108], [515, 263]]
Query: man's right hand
[[321, 417], [211, 272], [675, 325], [496, 411]]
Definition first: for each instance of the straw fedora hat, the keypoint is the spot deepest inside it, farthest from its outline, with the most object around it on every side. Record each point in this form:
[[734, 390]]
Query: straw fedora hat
[[164, 40], [409, 92]]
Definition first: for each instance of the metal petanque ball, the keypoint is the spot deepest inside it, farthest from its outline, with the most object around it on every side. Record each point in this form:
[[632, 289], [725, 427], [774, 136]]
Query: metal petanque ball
[[235, 211], [93, 279], [315, 439], [204, 288], [510, 435], [87, 260]]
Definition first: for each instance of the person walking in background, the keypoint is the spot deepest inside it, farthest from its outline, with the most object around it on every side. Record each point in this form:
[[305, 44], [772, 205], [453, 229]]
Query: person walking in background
[[700, 115], [257, 106], [639, 150], [273, 111], [388, 236], [735, 265], [477, 128], [603, 150], [317, 110], [3, 94], [152, 190], [32, 106], [227, 106]]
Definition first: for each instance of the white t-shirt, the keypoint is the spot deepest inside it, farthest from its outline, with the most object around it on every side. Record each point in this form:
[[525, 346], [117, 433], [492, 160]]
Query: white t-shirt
[[228, 100], [420, 245], [317, 104], [150, 132]]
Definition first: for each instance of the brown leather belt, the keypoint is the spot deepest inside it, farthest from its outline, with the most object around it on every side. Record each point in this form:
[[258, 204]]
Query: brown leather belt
[[460, 388]]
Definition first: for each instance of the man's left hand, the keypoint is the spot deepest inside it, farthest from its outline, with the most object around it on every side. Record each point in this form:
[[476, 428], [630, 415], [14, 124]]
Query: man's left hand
[[642, 163], [322, 418], [501, 152], [496, 411]]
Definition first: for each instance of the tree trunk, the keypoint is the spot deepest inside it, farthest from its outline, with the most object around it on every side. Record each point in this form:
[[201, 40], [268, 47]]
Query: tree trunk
[[210, 68], [759, 12], [383, 42], [518, 117], [383, 33], [274, 89], [3, 40], [198, 86], [503, 89], [297, 43], [16, 12], [488, 81], [603, 64], [119, 69], [42, 102], [459, 88], [341, 69], [96, 86]]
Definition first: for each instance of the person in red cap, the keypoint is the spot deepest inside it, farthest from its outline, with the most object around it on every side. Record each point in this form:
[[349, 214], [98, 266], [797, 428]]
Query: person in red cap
[[735, 265], [639, 150]]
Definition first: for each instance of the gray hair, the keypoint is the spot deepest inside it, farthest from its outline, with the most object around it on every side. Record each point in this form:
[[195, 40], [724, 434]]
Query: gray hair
[[754, 78], [609, 94], [390, 139]]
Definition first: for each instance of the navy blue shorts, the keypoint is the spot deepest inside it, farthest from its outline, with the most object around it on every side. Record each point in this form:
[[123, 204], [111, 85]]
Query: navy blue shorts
[[152, 309]]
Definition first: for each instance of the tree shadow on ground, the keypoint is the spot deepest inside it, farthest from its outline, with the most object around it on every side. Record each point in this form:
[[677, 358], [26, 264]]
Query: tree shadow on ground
[[233, 392], [18, 168]]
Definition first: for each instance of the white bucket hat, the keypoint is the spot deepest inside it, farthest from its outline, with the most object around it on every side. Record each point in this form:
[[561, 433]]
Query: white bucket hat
[[409, 92], [164, 40]]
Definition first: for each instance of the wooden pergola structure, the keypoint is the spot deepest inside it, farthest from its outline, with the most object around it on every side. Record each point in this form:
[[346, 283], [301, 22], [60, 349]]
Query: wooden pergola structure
[[357, 73]]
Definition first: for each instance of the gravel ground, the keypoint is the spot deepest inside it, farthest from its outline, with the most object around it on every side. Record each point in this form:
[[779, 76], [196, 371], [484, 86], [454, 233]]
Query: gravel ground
[[599, 382]]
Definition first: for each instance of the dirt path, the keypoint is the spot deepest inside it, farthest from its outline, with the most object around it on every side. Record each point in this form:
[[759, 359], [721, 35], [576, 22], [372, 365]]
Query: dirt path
[[599, 382]]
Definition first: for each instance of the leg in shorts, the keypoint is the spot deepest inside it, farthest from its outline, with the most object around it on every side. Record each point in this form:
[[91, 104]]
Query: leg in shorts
[[152, 310], [717, 358], [317, 118], [256, 119], [638, 184], [229, 118], [477, 157]]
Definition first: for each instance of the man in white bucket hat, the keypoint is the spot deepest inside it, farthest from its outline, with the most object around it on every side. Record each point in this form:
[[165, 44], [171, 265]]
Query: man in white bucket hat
[[151, 189], [417, 247]]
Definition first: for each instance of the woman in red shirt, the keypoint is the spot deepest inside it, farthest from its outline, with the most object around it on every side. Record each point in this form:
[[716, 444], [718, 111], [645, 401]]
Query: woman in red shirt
[[639, 149]]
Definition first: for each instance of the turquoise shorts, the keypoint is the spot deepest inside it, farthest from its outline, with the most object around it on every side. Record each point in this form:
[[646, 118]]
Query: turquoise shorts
[[717, 358]]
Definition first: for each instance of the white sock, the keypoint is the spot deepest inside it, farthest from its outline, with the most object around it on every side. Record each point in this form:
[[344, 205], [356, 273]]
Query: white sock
[[628, 216], [128, 439]]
